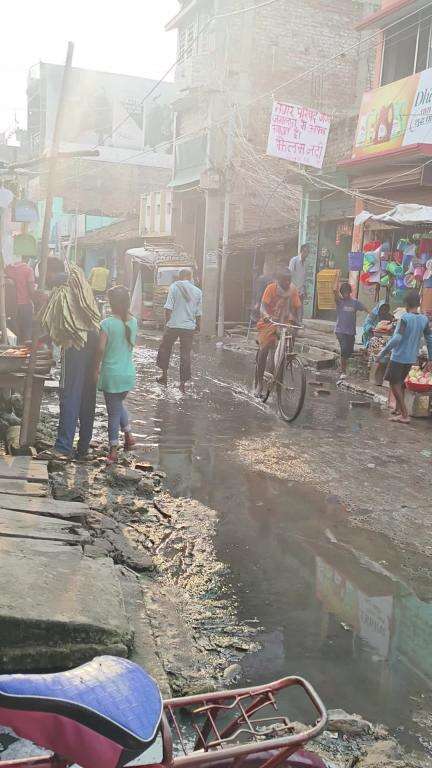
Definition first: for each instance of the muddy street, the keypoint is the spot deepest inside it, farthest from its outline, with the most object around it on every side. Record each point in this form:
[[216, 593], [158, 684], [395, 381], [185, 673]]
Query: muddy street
[[322, 528]]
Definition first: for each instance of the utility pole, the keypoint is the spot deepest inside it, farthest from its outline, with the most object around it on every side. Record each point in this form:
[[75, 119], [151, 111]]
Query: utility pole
[[226, 221], [27, 398], [210, 270], [3, 325]]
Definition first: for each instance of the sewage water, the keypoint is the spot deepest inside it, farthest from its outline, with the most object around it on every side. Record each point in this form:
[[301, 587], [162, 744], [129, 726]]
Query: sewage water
[[329, 611]]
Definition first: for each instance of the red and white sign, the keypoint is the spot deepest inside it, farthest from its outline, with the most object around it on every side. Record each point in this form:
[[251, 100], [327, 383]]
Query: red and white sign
[[298, 134]]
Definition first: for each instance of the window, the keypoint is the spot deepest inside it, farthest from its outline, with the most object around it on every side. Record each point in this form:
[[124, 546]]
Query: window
[[204, 29], [407, 49], [194, 36], [187, 41]]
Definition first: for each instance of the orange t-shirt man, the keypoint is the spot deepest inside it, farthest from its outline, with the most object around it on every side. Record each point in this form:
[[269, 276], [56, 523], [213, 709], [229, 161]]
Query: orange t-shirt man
[[282, 306]]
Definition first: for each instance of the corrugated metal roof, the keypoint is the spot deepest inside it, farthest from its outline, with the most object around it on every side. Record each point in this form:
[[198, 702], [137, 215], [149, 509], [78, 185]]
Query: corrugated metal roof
[[126, 229]]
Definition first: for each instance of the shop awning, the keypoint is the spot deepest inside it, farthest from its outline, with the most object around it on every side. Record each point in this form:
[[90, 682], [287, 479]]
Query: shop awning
[[149, 257], [408, 215]]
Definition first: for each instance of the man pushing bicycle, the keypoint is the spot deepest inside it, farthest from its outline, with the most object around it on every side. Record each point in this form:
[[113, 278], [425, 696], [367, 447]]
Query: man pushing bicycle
[[281, 303]]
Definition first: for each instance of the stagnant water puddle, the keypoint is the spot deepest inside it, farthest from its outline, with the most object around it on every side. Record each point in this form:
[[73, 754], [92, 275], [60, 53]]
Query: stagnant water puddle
[[330, 608]]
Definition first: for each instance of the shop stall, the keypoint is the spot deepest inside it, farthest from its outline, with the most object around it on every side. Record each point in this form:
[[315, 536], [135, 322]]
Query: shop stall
[[395, 256], [14, 363]]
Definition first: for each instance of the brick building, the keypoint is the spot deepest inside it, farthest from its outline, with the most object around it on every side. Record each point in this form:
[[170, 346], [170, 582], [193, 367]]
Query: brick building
[[232, 60]]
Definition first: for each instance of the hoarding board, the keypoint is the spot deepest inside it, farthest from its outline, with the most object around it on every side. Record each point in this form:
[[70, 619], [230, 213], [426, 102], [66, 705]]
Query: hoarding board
[[298, 134], [394, 116]]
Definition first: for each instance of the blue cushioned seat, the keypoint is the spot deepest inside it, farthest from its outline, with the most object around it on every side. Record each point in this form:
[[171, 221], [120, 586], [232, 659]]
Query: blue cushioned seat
[[109, 695]]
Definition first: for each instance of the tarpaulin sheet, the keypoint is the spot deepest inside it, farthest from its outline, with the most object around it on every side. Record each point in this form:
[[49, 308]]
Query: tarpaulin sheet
[[405, 214]]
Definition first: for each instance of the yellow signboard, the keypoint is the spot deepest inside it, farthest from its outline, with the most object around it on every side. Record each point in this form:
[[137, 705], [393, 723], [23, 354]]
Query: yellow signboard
[[384, 116]]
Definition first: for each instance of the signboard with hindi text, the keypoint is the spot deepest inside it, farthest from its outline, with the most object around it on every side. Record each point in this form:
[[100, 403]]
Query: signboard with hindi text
[[298, 134]]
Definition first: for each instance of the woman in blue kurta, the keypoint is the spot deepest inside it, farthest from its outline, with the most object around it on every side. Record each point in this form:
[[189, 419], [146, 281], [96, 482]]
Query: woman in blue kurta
[[115, 367]]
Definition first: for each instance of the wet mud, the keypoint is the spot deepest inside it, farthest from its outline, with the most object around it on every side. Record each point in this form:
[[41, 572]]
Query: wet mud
[[288, 550]]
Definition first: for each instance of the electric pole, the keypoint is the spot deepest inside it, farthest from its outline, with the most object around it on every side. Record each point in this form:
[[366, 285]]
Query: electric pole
[[226, 222]]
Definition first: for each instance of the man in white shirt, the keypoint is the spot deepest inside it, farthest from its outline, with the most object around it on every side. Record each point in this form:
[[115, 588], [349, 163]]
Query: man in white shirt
[[298, 270], [183, 310]]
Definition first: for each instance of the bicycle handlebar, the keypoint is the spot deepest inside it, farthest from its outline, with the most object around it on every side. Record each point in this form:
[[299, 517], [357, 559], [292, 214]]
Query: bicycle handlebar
[[285, 325]]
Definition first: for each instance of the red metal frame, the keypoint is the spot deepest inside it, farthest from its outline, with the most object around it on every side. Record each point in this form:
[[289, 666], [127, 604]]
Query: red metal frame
[[215, 740]]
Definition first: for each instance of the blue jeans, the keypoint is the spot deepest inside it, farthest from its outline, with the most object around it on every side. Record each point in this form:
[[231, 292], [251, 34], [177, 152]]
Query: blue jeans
[[118, 417], [77, 398]]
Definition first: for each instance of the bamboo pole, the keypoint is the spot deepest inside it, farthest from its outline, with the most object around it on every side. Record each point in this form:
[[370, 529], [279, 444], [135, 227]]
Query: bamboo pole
[[27, 399], [3, 324]]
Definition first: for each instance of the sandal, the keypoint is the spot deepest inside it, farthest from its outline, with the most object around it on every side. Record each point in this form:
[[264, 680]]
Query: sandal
[[51, 455], [112, 457]]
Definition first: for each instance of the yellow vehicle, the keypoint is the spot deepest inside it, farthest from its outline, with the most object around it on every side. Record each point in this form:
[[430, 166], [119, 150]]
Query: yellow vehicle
[[153, 271]]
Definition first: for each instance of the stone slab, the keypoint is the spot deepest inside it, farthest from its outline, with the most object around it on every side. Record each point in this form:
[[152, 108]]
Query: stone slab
[[57, 607], [145, 652], [23, 468], [65, 510], [21, 525], [23, 488]]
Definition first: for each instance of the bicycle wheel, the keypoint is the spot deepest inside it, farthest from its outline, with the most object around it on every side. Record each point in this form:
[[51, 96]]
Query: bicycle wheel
[[291, 388], [267, 378]]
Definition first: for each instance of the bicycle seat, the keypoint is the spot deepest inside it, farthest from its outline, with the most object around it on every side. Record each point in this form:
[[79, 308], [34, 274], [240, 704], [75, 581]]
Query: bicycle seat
[[102, 713]]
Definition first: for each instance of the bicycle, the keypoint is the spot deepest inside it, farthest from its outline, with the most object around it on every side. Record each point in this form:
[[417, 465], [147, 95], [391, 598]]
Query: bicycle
[[284, 372], [109, 712]]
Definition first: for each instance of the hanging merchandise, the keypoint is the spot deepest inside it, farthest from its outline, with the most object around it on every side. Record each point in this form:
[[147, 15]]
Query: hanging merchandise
[[428, 272], [355, 261], [24, 245], [372, 246], [409, 280], [417, 268], [25, 211], [425, 246], [395, 270], [408, 251], [397, 256]]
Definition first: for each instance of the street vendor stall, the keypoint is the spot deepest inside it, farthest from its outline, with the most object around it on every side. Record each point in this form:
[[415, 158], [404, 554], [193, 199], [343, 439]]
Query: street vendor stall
[[395, 257], [14, 363]]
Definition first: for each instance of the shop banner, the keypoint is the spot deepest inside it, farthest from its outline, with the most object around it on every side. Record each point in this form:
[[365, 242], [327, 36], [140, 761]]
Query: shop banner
[[419, 127], [298, 134], [396, 115]]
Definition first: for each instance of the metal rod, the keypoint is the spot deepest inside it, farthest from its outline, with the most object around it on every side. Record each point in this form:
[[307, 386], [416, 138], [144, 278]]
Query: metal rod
[[226, 224], [27, 397], [3, 324]]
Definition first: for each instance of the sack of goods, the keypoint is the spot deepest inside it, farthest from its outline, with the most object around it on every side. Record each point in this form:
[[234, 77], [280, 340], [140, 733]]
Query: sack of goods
[[419, 379], [71, 312]]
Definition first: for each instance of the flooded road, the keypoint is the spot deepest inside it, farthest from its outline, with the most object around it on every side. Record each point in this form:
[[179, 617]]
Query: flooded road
[[335, 603]]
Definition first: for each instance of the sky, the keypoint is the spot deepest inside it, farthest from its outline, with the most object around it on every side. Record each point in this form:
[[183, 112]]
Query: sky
[[127, 37]]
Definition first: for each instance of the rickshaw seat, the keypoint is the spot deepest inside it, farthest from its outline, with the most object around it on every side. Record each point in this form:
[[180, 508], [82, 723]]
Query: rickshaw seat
[[91, 714]]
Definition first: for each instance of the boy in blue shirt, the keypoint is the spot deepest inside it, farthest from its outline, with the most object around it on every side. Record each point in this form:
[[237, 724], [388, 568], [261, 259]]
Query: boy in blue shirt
[[404, 346], [346, 323]]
